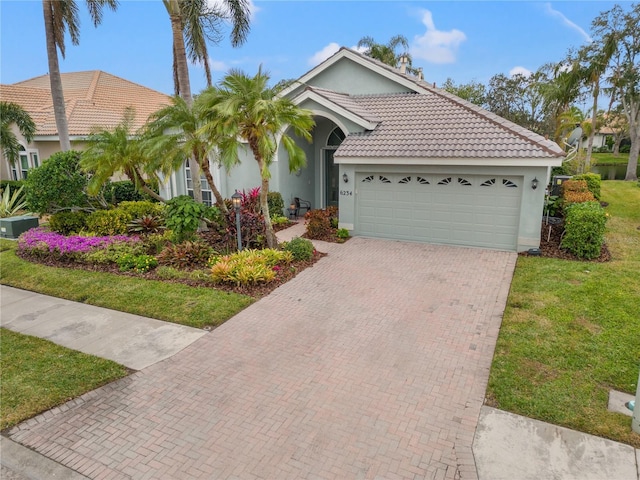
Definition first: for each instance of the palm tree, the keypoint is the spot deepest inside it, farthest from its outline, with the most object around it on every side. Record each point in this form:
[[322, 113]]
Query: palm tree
[[560, 90], [119, 151], [244, 108], [60, 15], [387, 53], [193, 19], [173, 134], [11, 113]]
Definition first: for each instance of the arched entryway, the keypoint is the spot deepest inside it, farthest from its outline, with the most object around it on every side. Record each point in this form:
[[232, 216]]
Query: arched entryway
[[330, 168]]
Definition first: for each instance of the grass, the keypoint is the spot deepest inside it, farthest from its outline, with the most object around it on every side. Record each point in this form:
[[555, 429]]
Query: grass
[[193, 306], [570, 331], [610, 159], [38, 375]]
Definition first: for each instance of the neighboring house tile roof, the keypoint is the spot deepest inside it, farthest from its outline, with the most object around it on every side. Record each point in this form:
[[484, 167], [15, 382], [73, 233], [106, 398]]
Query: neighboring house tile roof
[[433, 123], [92, 99]]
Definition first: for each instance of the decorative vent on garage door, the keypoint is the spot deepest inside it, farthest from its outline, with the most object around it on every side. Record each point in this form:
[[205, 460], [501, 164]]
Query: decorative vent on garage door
[[509, 183], [384, 179], [405, 180], [422, 181], [488, 183], [463, 181], [368, 179], [445, 181]]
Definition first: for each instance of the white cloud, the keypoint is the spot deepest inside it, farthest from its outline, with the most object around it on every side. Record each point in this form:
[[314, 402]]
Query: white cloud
[[434, 45], [323, 54], [218, 66], [525, 72], [555, 13]]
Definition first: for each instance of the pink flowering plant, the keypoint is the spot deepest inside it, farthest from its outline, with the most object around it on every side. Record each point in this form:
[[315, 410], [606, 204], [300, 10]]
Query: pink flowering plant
[[43, 243]]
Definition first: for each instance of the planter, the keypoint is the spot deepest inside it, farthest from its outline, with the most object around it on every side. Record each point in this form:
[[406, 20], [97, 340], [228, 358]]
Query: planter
[[12, 227]]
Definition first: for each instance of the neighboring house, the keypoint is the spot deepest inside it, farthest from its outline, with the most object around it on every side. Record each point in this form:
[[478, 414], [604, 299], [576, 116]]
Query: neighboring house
[[92, 99], [405, 160]]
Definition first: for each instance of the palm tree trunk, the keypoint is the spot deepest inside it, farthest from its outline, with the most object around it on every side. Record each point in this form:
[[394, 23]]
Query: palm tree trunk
[[272, 240], [57, 94], [592, 134], [184, 84], [216, 193]]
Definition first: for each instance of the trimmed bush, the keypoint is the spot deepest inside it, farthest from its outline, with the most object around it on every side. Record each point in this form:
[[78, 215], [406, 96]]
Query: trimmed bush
[[112, 252], [320, 223], [300, 248], [276, 204], [139, 209], [67, 222], [124, 191], [576, 191], [593, 183], [584, 229], [108, 222]]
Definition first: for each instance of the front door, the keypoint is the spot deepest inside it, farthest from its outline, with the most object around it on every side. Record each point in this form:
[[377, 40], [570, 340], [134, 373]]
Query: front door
[[331, 171]]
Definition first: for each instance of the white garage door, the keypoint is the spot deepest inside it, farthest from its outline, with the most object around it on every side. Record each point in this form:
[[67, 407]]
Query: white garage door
[[473, 210]]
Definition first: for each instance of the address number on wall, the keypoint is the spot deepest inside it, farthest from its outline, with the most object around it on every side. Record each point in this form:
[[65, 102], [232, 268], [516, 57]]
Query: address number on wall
[[346, 192]]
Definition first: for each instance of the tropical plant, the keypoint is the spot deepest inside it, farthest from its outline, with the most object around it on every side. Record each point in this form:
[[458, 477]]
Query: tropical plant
[[121, 151], [173, 134], [11, 204], [183, 216], [300, 248], [186, 255], [108, 222], [387, 53], [244, 108], [10, 114], [60, 15], [137, 263], [142, 208], [146, 225], [67, 222], [249, 266]]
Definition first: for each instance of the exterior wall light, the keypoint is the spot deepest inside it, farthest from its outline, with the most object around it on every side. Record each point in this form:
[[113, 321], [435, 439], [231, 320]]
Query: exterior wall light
[[236, 199], [345, 178], [534, 183]]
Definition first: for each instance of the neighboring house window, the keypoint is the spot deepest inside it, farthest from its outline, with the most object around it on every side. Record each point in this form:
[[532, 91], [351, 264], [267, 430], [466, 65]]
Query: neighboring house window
[[207, 194], [26, 161]]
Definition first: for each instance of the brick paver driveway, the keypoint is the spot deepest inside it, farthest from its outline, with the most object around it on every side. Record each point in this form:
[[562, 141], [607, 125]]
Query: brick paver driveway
[[371, 364]]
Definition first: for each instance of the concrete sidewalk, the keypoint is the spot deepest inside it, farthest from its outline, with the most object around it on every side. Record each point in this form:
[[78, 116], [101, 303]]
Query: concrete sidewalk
[[130, 340]]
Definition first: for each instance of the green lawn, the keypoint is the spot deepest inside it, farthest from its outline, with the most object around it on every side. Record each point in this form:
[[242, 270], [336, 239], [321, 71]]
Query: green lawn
[[193, 306], [38, 375], [571, 331], [610, 159]]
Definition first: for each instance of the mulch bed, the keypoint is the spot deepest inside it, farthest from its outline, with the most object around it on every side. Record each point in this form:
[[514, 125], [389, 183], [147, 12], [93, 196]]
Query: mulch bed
[[550, 238]]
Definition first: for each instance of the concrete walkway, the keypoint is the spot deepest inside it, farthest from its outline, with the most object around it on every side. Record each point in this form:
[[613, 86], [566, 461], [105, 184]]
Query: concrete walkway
[[130, 340], [371, 364]]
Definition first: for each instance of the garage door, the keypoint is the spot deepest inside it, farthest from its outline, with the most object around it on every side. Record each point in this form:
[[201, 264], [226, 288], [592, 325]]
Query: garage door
[[473, 210]]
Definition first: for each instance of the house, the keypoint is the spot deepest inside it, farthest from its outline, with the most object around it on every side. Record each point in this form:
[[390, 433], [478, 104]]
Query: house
[[92, 99], [405, 160]]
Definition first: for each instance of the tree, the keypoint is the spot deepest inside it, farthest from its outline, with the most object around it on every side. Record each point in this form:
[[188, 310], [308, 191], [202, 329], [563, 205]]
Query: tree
[[244, 108], [387, 53], [616, 121], [120, 151], [189, 19], [625, 68], [11, 113], [474, 92], [173, 133], [560, 88], [60, 15]]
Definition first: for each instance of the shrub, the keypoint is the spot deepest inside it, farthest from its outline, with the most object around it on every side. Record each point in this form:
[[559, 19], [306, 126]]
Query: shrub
[[141, 209], [59, 183], [14, 184], [108, 222], [251, 200], [552, 205], [577, 197], [300, 248], [68, 222], [575, 186], [625, 148], [137, 263], [154, 243], [584, 229], [183, 216], [319, 223], [276, 204], [186, 255], [252, 229], [249, 266], [279, 220], [124, 191], [593, 183], [146, 225], [215, 218], [342, 233], [112, 252]]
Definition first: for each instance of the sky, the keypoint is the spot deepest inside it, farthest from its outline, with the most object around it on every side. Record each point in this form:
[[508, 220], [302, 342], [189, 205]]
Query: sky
[[462, 40]]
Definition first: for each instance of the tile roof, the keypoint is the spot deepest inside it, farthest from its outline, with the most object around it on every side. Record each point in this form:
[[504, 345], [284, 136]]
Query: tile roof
[[435, 126], [92, 99], [433, 123]]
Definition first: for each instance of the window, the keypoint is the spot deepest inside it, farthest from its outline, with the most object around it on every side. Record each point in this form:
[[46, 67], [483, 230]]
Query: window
[[24, 166], [34, 160], [207, 194], [335, 138], [27, 159]]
